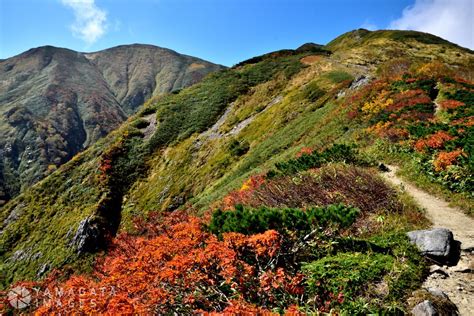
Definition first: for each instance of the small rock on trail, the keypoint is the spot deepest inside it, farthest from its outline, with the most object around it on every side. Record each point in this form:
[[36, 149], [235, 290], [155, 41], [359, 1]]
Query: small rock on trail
[[459, 282], [437, 244]]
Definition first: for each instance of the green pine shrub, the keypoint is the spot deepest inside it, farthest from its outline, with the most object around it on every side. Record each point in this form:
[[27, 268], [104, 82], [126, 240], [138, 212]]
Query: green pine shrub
[[253, 221], [312, 92], [347, 273], [237, 148], [335, 153]]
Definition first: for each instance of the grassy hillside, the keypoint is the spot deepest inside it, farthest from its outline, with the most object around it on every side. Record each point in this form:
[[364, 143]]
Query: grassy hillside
[[54, 102], [40, 226], [291, 130]]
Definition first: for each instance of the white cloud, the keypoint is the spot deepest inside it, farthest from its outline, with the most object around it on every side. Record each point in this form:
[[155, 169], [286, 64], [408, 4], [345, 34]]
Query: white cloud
[[90, 23], [450, 19]]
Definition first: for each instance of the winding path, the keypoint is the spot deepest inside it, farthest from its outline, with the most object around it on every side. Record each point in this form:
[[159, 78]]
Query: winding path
[[456, 281]]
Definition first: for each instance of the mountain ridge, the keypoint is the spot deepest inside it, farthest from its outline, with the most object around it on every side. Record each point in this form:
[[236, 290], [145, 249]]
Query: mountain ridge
[[287, 131], [55, 101]]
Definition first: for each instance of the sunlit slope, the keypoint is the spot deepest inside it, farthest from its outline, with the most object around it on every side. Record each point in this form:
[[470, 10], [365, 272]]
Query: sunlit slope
[[192, 147]]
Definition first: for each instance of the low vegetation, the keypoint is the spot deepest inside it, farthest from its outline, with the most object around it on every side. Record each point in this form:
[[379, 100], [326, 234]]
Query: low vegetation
[[250, 221], [427, 118], [259, 190]]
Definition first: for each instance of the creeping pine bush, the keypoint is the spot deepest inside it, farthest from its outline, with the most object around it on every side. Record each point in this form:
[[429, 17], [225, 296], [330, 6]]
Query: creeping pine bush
[[239, 148], [253, 221], [140, 123], [425, 84], [336, 153], [313, 92]]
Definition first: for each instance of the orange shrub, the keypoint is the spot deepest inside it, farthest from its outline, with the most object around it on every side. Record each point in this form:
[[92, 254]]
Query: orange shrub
[[304, 151], [386, 130], [253, 182], [466, 121], [182, 270], [445, 159], [450, 104], [435, 69], [434, 141], [409, 98]]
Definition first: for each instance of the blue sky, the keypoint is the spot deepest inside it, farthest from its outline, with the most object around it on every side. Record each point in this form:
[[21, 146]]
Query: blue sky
[[222, 31]]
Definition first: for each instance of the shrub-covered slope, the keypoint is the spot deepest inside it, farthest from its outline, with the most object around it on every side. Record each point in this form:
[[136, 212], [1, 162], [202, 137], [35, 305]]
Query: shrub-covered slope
[[262, 134], [55, 102]]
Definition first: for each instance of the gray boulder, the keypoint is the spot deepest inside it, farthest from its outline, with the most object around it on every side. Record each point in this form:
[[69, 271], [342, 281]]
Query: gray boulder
[[88, 237], [425, 308], [438, 293], [437, 243]]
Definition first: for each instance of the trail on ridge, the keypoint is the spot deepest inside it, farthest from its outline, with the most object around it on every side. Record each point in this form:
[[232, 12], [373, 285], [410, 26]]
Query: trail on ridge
[[456, 281]]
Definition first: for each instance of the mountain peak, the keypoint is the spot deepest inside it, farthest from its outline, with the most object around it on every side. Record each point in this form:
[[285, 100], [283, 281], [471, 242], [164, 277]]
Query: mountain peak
[[361, 37], [307, 47], [81, 97]]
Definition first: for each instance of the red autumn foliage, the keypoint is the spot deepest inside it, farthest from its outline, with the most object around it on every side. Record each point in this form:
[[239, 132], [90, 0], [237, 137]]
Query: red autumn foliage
[[408, 94], [105, 167], [304, 151], [237, 307], [183, 269], [445, 159], [247, 189], [450, 104], [388, 131], [466, 121], [414, 117], [462, 80], [353, 114], [294, 310], [409, 98], [434, 141], [278, 279]]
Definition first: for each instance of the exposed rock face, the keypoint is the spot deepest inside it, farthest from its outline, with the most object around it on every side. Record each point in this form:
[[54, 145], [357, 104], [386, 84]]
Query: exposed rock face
[[88, 237], [437, 243], [54, 102]]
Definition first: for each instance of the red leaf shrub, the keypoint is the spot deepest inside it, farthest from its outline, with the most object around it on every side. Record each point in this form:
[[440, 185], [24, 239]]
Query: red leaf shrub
[[183, 269], [445, 159], [450, 104], [434, 141]]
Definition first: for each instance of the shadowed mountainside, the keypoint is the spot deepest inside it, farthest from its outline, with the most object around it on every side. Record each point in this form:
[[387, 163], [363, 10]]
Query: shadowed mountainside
[[54, 102]]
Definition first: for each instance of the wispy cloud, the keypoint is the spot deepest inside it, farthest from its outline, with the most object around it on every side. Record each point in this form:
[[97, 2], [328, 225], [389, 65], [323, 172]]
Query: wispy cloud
[[368, 25], [90, 21], [450, 19]]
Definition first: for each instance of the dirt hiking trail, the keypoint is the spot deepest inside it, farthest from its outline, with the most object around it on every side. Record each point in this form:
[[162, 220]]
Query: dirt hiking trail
[[456, 281]]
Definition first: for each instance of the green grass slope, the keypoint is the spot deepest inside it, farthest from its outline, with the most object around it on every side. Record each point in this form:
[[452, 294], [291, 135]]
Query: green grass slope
[[189, 149]]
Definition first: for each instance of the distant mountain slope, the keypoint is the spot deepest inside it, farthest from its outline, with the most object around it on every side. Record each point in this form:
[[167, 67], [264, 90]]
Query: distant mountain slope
[[136, 72], [54, 102], [194, 149]]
